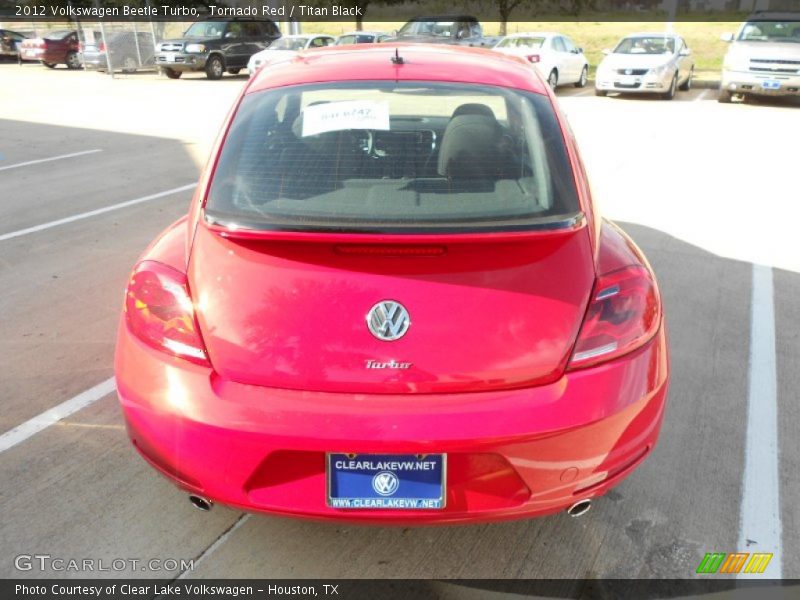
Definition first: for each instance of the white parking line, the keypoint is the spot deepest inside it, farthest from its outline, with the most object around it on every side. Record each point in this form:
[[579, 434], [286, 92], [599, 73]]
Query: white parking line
[[703, 95], [217, 543], [93, 213], [31, 427], [760, 525], [43, 160]]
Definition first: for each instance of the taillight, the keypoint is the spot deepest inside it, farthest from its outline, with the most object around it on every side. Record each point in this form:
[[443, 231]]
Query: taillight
[[534, 58], [623, 315], [101, 47], [160, 313]]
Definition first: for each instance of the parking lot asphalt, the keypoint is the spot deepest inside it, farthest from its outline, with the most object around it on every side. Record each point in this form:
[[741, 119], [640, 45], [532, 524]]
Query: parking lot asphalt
[[707, 190]]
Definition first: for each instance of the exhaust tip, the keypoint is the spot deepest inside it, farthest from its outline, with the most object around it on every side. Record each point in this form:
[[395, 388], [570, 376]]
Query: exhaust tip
[[581, 507], [201, 503]]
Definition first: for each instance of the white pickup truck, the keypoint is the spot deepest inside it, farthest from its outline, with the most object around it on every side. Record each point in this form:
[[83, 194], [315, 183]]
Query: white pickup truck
[[764, 57]]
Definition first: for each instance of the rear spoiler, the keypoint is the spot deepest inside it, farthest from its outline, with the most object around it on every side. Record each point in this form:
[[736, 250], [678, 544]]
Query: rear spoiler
[[330, 232]]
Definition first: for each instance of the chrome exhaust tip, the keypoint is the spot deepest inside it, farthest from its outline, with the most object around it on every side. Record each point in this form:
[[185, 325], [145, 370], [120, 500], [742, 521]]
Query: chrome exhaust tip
[[201, 503], [581, 507]]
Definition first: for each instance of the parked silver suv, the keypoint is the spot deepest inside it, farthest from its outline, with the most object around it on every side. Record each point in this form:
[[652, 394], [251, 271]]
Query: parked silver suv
[[764, 57]]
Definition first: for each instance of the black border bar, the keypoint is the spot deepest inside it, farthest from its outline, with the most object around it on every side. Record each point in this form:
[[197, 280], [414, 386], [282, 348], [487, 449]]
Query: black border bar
[[402, 589], [372, 10]]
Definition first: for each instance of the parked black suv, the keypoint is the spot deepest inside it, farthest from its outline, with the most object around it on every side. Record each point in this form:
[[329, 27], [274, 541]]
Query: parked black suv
[[215, 46], [462, 30]]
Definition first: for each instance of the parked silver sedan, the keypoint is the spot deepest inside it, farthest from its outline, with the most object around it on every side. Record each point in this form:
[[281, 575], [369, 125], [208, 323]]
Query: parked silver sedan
[[649, 63]]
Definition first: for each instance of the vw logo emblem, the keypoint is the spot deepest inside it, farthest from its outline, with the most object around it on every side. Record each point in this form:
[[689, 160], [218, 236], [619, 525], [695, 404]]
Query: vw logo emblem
[[628, 71], [385, 483], [388, 320]]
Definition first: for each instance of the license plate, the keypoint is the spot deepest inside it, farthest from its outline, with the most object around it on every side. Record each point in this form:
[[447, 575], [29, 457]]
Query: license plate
[[628, 80], [387, 481], [771, 85], [170, 58]]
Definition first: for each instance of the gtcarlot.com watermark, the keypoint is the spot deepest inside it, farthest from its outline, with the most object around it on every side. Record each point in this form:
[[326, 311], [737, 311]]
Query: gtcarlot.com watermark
[[47, 562]]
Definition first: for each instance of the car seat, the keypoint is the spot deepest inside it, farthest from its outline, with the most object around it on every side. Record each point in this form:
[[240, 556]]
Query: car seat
[[473, 108], [470, 148]]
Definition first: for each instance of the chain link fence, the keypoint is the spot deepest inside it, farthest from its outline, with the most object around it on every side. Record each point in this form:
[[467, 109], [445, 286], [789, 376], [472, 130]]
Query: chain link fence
[[119, 47]]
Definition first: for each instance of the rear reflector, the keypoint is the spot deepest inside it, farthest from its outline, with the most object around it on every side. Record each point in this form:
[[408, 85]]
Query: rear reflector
[[159, 312], [624, 314]]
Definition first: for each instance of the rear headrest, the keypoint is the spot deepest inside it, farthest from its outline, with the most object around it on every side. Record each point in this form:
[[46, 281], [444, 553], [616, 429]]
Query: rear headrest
[[470, 148], [473, 108]]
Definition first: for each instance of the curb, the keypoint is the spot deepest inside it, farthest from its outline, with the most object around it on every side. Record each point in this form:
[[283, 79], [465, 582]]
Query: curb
[[712, 84]]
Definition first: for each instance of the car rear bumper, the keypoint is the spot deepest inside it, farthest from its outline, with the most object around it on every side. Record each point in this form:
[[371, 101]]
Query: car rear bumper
[[94, 62], [510, 454], [746, 82], [181, 61], [42, 55]]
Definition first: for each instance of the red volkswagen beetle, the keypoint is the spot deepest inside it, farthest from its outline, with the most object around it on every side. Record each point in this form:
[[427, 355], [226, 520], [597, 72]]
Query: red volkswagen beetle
[[393, 300]]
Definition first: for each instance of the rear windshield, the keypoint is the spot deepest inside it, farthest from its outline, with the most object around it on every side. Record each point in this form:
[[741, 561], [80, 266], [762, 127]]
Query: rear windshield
[[385, 156], [436, 28], [56, 35], [354, 39], [521, 42], [289, 44]]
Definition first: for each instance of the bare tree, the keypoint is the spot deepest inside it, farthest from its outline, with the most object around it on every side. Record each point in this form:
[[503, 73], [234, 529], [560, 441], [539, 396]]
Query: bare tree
[[505, 8]]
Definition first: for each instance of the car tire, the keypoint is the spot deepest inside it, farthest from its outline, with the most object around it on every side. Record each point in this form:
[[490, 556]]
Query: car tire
[[172, 73], [725, 97], [552, 79], [215, 67], [584, 77], [73, 60], [49, 65], [669, 95], [234, 71], [600, 92], [687, 85], [129, 65]]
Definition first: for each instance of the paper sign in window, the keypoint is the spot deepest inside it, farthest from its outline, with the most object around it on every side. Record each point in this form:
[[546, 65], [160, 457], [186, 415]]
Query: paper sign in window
[[339, 116]]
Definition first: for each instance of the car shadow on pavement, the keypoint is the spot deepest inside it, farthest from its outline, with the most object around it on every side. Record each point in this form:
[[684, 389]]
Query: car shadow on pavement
[[200, 76], [710, 94]]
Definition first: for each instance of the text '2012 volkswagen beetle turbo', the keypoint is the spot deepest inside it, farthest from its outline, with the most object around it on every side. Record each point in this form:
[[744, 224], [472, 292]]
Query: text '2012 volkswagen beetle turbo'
[[392, 300]]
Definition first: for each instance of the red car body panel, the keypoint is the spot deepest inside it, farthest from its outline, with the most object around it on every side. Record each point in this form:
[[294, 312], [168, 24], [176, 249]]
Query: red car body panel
[[511, 453], [50, 51], [524, 433], [420, 63], [255, 298]]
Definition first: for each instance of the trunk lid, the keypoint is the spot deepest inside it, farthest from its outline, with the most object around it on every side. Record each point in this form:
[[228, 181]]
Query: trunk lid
[[486, 311]]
